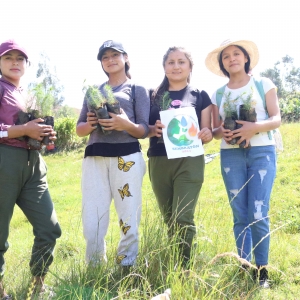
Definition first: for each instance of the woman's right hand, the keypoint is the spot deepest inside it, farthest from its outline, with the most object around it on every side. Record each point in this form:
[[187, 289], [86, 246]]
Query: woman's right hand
[[91, 120], [226, 134], [37, 131]]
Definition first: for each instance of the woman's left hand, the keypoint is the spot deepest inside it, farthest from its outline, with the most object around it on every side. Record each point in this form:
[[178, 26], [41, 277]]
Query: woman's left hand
[[205, 135], [245, 133], [116, 122]]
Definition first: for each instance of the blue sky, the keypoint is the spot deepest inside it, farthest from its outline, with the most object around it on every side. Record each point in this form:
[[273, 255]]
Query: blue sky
[[71, 32]]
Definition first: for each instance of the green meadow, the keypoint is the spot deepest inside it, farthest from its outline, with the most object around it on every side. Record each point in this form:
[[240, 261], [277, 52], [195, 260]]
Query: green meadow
[[216, 270]]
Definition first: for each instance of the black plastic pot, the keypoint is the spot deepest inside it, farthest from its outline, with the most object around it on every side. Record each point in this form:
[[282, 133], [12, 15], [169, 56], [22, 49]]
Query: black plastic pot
[[48, 120], [102, 113], [114, 108], [229, 123]]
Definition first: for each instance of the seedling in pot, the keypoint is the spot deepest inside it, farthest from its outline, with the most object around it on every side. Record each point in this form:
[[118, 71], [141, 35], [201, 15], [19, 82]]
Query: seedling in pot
[[96, 103], [247, 113], [231, 116], [113, 105], [39, 104]]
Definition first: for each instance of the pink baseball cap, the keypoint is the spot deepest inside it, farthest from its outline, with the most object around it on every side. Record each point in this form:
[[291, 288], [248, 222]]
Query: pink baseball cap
[[11, 45]]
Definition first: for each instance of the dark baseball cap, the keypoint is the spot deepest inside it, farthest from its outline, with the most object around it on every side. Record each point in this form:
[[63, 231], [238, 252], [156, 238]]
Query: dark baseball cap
[[110, 44], [11, 45]]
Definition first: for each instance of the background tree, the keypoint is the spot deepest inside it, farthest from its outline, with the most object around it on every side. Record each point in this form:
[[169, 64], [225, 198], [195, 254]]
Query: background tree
[[286, 77], [48, 82]]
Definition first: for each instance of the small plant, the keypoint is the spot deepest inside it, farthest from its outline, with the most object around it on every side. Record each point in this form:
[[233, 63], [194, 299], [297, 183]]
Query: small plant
[[95, 99], [165, 101], [230, 110], [110, 97], [113, 105], [248, 102], [38, 104], [97, 103], [230, 105]]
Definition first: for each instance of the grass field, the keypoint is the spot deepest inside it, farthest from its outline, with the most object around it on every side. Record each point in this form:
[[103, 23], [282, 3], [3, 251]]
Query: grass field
[[215, 273]]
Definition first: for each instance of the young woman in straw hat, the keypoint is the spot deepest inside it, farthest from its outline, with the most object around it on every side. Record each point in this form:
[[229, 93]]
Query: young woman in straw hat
[[248, 171]]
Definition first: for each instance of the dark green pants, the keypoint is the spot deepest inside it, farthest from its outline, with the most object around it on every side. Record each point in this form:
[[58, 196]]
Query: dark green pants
[[23, 182], [176, 184]]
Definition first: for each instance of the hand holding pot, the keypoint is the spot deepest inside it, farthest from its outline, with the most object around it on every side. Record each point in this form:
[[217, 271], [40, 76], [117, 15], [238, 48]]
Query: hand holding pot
[[37, 131], [227, 134], [117, 122], [91, 120], [245, 132]]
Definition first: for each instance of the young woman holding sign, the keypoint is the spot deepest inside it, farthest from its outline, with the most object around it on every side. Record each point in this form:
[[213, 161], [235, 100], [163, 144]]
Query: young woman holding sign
[[177, 188]]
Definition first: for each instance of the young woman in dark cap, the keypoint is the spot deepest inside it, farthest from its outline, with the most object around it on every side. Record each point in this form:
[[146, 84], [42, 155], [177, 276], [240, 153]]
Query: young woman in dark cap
[[22, 170], [248, 169], [113, 166]]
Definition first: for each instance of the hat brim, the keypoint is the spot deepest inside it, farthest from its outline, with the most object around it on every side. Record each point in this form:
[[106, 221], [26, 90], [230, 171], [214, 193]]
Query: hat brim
[[212, 59], [24, 54], [100, 54]]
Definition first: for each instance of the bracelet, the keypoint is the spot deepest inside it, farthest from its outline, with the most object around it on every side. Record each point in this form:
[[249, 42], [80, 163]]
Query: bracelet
[[3, 134]]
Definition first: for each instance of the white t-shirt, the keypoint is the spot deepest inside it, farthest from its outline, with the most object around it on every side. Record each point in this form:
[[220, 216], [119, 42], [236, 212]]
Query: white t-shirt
[[262, 138]]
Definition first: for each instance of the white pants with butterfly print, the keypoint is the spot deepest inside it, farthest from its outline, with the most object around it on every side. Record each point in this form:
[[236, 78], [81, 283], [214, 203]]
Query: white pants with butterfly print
[[104, 178]]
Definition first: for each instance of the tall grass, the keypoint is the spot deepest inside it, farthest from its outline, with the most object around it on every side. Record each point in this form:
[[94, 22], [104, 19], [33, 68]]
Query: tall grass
[[215, 272]]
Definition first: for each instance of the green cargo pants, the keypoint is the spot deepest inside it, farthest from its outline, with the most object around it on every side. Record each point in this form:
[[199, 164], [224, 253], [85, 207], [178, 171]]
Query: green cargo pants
[[176, 184], [23, 182]]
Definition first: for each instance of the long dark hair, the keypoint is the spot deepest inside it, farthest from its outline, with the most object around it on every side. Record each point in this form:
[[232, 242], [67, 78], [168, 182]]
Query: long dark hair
[[247, 64], [164, 86], [127, 67]]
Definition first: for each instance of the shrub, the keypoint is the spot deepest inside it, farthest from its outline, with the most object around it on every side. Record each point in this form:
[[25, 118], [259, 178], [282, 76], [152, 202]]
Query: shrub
[[290, 109], [67, 138]]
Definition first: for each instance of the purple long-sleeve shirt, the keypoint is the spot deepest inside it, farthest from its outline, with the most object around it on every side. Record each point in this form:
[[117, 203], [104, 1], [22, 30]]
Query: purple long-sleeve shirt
[[11, 102]]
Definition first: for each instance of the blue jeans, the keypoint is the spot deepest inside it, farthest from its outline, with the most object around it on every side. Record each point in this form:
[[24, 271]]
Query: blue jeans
[[248, 176]]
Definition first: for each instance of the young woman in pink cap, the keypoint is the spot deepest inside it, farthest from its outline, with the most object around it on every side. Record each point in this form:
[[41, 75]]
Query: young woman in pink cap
[[248, 170], [22, 170], [113, 165]]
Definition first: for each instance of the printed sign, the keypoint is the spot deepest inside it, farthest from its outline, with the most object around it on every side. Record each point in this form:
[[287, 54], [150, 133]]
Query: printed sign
[[181, 132]]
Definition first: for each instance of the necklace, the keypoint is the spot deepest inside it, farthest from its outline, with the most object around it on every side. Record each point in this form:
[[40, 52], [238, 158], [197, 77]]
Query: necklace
[[116, 86]]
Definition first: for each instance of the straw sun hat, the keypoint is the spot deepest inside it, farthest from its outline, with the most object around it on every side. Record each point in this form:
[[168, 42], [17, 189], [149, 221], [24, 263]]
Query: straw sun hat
[[212, 59]]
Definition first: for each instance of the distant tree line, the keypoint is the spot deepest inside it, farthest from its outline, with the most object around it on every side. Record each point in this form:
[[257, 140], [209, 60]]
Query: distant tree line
[[286, 77]]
